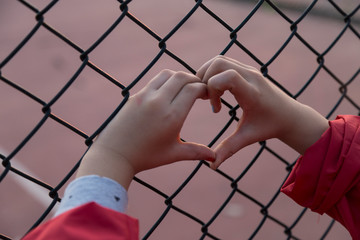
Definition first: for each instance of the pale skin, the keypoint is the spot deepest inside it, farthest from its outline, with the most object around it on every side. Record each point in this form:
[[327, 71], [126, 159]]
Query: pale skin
[[267, 111], [146, 133]]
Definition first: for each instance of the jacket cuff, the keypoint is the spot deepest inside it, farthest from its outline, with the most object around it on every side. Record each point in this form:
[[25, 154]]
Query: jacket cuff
[[101, 190]]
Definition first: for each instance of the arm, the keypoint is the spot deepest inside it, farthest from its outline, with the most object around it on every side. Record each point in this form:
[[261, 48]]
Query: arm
[[326, 178], [267, 111], [143, 135]]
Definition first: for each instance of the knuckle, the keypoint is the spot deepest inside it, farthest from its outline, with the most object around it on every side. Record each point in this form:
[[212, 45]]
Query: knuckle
[[231, 73], [253, 69], [213, 84], [167, 73], [194, 87], [186, 76], [181, 75], [255, 77], [226, 77], [220, 57], [219, 63], [256, 72]]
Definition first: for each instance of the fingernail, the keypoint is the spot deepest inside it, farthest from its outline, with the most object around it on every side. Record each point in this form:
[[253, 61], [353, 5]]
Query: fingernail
[[212, 108]]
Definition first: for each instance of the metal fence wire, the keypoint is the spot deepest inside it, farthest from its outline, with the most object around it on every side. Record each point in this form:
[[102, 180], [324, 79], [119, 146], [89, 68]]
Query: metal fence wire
[[36, 104]]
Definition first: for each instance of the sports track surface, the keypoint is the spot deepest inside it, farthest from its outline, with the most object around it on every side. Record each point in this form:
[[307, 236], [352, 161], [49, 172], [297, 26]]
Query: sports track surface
[[45, 64]]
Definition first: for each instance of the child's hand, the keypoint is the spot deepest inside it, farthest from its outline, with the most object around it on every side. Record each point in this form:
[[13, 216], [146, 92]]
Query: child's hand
[[145, 133], [267, 111]]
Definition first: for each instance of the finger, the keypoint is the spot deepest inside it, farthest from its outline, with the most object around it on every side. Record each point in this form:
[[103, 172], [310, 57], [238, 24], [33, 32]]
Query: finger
[[194, 151], [170, 89], [202, 70], [220, 65], [215, 62], [232, 81], [160, 79], [229, 147], [186, 98]]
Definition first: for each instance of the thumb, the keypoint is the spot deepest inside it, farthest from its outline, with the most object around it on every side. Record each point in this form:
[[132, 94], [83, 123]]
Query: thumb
[[195, 151], [229, 147]]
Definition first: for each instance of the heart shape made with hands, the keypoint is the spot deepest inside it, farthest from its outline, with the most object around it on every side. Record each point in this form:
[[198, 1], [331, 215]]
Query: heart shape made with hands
[[267, 112]]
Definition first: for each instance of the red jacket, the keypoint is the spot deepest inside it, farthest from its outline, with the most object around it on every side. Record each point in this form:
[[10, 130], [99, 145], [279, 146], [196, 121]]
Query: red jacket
[[91, 222], [325, 179]]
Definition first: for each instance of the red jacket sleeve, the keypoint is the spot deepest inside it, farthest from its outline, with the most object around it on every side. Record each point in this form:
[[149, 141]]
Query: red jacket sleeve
[[89, 221], [327, 178]]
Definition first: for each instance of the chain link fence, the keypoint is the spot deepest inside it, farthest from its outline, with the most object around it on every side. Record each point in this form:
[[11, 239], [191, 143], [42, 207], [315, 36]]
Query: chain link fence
[[67, 67]]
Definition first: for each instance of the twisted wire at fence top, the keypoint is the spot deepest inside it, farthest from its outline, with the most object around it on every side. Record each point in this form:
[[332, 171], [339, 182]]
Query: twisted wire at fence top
[[234, 42]]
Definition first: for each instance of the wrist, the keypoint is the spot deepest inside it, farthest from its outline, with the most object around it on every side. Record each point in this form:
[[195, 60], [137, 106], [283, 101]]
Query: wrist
[[306, 127], [105, 163]]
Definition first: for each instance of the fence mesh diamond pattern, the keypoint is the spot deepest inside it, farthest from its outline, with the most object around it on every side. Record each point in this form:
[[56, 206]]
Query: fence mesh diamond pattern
[[67, 67]]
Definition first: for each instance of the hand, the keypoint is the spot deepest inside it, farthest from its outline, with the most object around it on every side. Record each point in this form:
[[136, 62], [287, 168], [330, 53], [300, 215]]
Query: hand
[[145, 133], [267, 111]]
